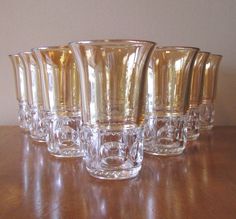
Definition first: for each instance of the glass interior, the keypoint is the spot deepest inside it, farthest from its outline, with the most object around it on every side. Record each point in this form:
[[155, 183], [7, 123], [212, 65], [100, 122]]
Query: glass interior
[[60, 79], [112, 79]]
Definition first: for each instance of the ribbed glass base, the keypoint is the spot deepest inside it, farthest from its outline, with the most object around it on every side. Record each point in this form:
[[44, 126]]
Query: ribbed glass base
[[206, 127], [207, 116], [66, 152], [191, 124], [113, 154], [39, 127], [24, 118], [38, 139], [164, 136], [163, 150], [64, 137], [118, 174]]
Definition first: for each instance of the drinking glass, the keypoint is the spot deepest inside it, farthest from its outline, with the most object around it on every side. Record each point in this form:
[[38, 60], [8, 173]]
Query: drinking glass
[[168, 79], [39, 125], [191, 125], [111, 76], [21, 91], [207, 110], [61, 100]]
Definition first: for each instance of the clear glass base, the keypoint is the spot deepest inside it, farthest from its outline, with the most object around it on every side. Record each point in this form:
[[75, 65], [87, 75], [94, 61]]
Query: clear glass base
[[206, 116], [68, 152], [193, 137], [191, 124], [38, 139], [164, 136], [206, 127], [24, 117], [64, 137], [39, 125], [113, 154], [114, 174], [163, 150]]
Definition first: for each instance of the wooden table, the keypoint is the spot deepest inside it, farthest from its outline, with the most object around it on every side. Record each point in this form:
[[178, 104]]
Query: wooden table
[[201, 183]]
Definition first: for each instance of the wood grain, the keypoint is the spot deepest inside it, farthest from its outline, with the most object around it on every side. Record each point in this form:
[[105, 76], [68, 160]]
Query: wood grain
[[201, 183]]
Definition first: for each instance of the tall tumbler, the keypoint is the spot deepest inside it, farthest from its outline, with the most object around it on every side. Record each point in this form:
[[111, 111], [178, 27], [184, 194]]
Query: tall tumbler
[[112, 74], [169, 76], [192, 125], [207, 111], [21, 91], [39, 124], [61, 100]]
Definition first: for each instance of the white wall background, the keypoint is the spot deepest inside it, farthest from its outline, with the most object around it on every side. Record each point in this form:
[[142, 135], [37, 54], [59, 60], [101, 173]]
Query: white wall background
[[208, 24]]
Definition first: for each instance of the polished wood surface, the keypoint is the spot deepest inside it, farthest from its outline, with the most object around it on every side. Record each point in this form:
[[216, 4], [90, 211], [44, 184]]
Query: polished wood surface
[[201, 183]]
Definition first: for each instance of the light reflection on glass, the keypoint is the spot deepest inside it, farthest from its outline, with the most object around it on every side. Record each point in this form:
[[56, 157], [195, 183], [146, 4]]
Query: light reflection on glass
[[33, 172], [26, 154], [57, 189]]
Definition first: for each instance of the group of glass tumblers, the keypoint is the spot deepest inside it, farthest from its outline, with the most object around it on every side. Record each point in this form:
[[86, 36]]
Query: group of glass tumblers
[[110, 100]]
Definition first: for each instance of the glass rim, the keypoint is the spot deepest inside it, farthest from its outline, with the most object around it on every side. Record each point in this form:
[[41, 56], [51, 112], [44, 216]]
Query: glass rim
[[178, 48], [111, 41], [25, 53], [20, 53], [216, 55], [14, 55], [204, 52], [46, 48]]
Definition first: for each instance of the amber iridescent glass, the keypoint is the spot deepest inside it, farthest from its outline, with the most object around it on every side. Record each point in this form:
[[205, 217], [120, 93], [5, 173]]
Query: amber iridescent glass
[[38, 125], [61, 100], [112, 74], [207, 111], [191, 125], [21, 91], [169, 76]]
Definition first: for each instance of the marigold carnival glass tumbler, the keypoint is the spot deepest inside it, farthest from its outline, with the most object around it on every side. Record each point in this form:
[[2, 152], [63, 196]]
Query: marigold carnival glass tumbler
[[192, 126], [207, 111], [168, 79], [111, 76], [21, 91], [39, 124], [61, 100]]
